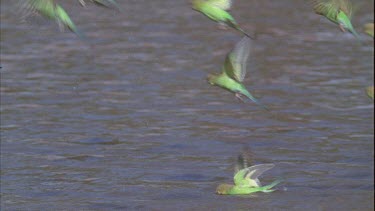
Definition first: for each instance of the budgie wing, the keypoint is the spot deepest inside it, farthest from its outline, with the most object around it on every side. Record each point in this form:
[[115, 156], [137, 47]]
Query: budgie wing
[[222, 4], [107, 3], [346, 7], [249, 176], [328, 8], [244, 160], [42, 7], [236, 60], [64, 18]]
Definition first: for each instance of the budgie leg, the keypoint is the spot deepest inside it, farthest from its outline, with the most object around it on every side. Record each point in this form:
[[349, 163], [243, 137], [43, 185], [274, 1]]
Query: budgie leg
[[342, 27], [61, 25], [222, 26], [239, 96]]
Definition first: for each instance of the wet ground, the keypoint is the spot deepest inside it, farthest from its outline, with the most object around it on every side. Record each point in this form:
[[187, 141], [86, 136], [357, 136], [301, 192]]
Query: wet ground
[[126, 120]]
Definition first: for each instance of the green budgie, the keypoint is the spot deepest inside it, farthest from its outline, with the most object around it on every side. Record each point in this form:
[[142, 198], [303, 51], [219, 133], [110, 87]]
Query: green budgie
[[369, 29], [51, 10], [217, 10], [103, 3], [370, 91], [234, 71], [246, 181], [337, 11]]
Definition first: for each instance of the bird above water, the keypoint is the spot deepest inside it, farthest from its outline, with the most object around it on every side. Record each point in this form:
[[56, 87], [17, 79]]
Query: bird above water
[[337, 11], [51, 10], [217, 10], [234, 71]]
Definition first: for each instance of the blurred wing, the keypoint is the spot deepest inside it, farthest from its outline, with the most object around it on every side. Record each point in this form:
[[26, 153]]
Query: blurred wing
[[107, 3], [236, 60], [255, 171], [222, 4], [249, 176], [41, 7], [244, 160], [329, 8], [346, 7]]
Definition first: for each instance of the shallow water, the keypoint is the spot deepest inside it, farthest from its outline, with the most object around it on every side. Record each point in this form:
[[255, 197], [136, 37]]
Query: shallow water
[[126, 120]]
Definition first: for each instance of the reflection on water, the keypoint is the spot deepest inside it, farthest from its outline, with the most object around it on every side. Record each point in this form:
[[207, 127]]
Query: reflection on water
[[126, 119]]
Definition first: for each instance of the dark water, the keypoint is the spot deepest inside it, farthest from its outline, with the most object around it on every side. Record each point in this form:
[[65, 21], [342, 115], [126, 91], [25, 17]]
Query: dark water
[[126, 119]]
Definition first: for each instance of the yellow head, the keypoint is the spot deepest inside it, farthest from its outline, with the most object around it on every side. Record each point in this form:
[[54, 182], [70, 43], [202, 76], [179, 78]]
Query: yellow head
[[369, 29], [223, 189], [370, 91], [211, 78], [196, 3]]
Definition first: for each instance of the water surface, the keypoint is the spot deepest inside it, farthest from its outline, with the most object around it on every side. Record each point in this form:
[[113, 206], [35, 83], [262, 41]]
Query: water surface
[[126, 120]]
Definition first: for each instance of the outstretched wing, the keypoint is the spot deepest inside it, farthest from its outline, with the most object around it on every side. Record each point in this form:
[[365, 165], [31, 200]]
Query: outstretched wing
[[222, 4], [249, 176], [236, 60]]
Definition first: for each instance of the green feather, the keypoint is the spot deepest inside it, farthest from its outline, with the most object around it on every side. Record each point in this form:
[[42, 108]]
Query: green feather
[[63, 17], [222, 4]]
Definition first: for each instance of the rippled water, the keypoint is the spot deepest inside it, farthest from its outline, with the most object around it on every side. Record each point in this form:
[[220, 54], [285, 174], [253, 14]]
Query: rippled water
[[126, 120]]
